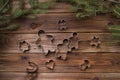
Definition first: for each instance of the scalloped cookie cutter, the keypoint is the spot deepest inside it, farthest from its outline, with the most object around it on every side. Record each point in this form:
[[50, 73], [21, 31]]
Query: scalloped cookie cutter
[[24, 46]]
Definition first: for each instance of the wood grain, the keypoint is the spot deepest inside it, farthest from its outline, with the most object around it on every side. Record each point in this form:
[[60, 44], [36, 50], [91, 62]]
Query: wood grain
[[105, 61], [11, 42], [100, 62], [49, 23], [61, 76]]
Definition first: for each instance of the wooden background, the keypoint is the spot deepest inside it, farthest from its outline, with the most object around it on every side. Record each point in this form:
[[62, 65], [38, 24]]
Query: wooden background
[[105, 61]]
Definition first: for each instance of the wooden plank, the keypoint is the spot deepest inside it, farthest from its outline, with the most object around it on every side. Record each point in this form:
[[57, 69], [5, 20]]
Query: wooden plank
[[49, 23], [61, 76], [10, 42], [100, 62]]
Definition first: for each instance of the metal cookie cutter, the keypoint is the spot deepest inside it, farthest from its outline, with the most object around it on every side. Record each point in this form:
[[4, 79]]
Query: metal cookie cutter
[[45, 39], [50, 64], [62, 50], [32, 71], [24, 46], [62, 25], [32, 67], [85, 65], [74, 41], [95, 42]]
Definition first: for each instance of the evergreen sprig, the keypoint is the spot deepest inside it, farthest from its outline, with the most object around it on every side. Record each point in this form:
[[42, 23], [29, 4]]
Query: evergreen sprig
[[116, 11], [10, 12], [115, 29], [88, 8]]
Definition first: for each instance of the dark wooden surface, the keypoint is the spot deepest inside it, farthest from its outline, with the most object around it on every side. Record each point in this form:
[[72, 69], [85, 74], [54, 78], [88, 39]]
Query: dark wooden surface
[[105, 61]]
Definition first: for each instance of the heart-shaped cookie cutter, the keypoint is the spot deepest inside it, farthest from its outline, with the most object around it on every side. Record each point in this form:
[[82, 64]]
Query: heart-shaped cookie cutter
[[50, 64]]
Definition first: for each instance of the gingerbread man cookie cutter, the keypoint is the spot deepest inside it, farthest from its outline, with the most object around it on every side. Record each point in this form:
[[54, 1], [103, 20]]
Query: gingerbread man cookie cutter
[[45, 42], [95, 42], [62, 25], [62, 50], [74, 41]]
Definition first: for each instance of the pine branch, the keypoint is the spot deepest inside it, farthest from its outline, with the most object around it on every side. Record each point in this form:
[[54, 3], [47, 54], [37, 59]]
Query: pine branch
[[88, 8], [4, 4], [116, 11], [115, 29], [10, 27], [17, 11]]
